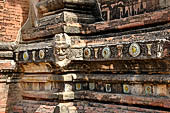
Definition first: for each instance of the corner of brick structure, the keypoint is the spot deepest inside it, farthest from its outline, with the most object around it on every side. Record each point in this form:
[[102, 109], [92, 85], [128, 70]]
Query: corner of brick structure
[[14, 14], [10, 94]]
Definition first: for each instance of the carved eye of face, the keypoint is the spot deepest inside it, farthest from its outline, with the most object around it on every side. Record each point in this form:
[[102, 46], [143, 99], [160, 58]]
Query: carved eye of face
[[64, 50], [57, 50]]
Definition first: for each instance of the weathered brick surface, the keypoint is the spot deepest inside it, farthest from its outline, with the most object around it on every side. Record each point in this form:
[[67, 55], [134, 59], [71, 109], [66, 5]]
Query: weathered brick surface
[[115, 78], [28, 106], [14, 96], [124, 99], [33, 106], [7, 65], [77, 28], [92, 107], [13, 15], [9, 96], [3, 96]]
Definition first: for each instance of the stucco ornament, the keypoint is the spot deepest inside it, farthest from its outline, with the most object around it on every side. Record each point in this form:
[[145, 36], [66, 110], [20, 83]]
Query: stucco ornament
[[106, 52], [25, 56], [91, 86], [148, 90], [126, 88], [41, 54], [62, 49], [87, 53], [134, 50]]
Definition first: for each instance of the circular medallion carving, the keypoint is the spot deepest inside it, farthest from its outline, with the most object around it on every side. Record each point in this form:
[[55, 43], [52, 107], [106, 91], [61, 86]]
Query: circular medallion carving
[[148, 90], [134, 50], [126, 88], [41, 54], [25, 56], [106, 52], [87, 52]]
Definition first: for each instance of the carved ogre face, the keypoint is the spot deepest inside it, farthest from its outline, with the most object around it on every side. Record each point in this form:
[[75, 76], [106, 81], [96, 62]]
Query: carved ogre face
[[62, 45]]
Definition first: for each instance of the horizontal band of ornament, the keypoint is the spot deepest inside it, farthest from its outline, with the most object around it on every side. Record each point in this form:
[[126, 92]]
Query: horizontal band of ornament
[[33, 55], [142, 89], [136, 50], [118, 51]]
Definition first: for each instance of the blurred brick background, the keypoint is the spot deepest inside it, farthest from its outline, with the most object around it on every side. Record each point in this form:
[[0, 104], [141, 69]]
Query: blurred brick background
[[13, 14]]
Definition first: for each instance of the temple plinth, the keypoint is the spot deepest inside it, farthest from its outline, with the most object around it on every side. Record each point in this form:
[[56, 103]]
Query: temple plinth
[[88, 56]]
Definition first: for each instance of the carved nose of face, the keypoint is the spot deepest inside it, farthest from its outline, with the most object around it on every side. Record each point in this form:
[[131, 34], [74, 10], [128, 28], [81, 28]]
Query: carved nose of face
[[63, 51]]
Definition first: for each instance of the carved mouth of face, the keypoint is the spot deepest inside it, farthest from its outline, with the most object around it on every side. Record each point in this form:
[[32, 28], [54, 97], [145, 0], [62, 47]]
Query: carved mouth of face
[[61, 58]]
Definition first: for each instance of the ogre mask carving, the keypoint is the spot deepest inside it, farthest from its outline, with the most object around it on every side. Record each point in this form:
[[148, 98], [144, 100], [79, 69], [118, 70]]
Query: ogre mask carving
[[62, 49]]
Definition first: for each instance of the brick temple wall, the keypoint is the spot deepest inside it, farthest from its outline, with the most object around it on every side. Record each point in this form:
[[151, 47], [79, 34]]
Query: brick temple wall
[[3, 98], [13, 14], [39, 93], [9, 95]]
